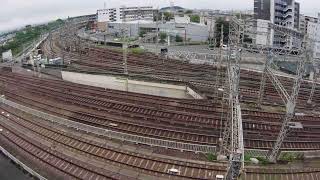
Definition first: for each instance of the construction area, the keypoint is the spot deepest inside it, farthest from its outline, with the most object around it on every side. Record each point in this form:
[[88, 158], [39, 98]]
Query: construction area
[[106, 112]]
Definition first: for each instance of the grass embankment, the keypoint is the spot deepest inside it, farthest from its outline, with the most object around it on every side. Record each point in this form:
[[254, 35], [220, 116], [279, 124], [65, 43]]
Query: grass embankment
[[27, 35]]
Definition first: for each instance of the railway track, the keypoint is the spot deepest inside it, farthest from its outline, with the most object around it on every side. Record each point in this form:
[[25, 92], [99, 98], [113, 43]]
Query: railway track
[[306, 139], [14, 122], [249, 82], [207, 85], [56, 162], [100, 152], [198, 122]]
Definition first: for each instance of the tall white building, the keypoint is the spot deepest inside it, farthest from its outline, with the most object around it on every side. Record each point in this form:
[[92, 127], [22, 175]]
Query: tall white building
[[126, 14], [284, 13], [107, 15], [313, 32], [304, 20]]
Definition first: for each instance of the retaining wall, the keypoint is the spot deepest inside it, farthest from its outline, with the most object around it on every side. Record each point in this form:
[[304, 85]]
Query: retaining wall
[[118, 83]]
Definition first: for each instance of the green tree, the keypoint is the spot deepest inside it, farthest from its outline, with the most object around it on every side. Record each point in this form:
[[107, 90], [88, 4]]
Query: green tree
[[142, 33], [195, 18], [157, 16], [179, 38], [168, 16], [163, 37], [60, 21], [189, 12], [28, 26], [238, 15], [27, 35]]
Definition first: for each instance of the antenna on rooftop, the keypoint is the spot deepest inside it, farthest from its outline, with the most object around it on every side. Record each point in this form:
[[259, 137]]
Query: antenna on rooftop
[[172, 5], [104, 5], [172, 8]]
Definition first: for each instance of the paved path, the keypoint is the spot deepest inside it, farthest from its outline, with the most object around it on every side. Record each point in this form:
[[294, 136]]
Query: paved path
[[9, 171]]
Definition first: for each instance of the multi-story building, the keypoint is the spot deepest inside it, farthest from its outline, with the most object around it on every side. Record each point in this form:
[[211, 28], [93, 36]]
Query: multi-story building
[[304, 20], [123, 14], [313, 32], [107, 15], [192, 32], [280, 12], [302, 23], [126, 14]]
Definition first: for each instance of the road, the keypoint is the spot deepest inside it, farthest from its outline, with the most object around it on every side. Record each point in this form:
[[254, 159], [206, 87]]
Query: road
[[9, 171]]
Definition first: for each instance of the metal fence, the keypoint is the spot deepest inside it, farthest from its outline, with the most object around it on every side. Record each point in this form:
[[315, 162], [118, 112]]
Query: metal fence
[[113, 134], [130, 137]]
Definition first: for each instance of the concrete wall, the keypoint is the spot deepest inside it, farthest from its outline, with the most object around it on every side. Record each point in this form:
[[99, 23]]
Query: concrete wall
[[194, 31], [194, 94], [112, 82]]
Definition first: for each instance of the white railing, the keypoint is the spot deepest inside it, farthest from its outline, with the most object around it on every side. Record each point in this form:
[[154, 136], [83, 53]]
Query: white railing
[[25, 167], [35, 45], [132, 138], [113, 134]]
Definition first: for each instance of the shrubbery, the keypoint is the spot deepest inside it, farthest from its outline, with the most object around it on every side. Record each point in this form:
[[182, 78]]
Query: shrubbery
[[27, 35]]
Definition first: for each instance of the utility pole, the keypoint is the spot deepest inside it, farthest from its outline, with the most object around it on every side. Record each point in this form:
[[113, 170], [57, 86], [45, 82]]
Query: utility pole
[[290, 101], [315, 74], [173, 10], [315, 68], [264, 79], [232, 142], [314, 82], [221, 37], [105, 39], [125, 63], [218, 74], [185, 36], [162, 18], [125, 56], [290, 110], [269, 59], [157, 25], [210, 31], [33, 63]]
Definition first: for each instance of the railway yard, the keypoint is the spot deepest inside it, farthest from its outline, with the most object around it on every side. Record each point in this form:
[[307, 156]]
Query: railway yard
[[66, 130]]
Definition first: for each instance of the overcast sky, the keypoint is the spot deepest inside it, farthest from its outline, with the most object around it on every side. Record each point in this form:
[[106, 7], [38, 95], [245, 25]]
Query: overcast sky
[[17, 13]]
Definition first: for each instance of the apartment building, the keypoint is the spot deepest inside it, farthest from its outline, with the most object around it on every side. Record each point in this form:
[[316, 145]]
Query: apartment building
[[304, 20], [313, 32], [126, 14], [284, 13]]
